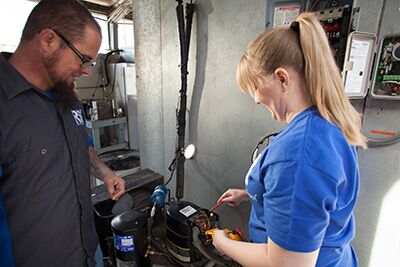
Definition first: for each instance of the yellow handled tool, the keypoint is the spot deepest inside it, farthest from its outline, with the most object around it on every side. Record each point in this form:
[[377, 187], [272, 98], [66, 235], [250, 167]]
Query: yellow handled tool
[[232, 234]]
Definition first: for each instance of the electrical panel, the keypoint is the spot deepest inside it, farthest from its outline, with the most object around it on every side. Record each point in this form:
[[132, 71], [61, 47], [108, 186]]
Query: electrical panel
[[335, 17], [386, 80], [357, 65], [353, 51], [282, 13]]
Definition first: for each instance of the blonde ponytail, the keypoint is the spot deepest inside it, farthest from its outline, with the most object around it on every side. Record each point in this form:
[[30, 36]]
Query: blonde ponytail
[[324, 82]]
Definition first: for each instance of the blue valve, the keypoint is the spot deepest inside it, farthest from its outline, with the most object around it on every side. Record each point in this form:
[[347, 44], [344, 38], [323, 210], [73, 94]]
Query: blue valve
[[158, 196]]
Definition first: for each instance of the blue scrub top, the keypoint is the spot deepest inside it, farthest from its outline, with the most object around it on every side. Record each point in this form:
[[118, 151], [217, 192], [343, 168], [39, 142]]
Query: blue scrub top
[[303, 188]]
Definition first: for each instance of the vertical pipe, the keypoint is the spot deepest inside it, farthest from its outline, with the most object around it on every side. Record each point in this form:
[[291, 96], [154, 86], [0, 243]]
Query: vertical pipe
[[181, 113], [184, 39]]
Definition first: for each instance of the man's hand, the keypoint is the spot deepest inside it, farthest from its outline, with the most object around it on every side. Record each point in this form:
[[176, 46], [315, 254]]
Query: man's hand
[[115, 186]]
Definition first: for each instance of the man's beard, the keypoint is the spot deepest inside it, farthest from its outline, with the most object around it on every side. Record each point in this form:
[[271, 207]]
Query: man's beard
[[64, 93]]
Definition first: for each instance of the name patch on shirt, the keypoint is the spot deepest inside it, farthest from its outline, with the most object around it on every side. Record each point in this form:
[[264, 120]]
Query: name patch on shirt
[[77, 113]]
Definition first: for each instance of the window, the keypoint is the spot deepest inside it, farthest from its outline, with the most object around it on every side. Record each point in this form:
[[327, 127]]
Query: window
[[13, 15], [125, 35], [102, 20], [16, 12]]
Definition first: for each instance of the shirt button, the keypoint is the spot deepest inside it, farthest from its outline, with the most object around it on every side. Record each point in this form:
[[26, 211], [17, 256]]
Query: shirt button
[[44, 151]]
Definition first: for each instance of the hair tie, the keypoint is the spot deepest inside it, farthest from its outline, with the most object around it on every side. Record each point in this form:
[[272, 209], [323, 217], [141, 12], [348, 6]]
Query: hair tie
[[295, 26]]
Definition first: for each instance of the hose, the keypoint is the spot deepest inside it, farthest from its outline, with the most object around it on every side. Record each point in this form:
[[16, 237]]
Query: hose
[[374, 142]]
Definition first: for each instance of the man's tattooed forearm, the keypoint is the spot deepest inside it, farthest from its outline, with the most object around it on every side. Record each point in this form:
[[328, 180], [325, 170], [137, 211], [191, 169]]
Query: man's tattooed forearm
[[96, 171]]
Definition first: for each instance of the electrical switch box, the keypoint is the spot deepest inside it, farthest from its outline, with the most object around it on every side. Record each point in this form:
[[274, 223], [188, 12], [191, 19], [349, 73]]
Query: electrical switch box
[[354, 52], [282, 13], [335, 17], [386, 78], [358, 76], [358, 62]]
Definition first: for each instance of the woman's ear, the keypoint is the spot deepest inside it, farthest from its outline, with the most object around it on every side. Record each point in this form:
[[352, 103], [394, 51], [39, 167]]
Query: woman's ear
[[283, 76]]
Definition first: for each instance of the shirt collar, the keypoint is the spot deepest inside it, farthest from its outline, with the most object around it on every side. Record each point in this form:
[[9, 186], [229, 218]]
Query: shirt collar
[[12, 83], [294, 121]]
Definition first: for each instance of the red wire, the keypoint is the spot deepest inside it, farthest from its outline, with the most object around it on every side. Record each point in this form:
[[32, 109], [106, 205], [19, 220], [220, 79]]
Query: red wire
[[243, 223], [241, 218], [315, 2]]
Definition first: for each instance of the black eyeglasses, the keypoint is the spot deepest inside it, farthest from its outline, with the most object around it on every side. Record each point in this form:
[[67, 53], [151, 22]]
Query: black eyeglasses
[[86, 62], [267, 138]]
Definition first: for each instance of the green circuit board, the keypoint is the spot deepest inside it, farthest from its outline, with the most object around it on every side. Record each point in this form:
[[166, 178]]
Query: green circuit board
[[387, 79], [389, 61]]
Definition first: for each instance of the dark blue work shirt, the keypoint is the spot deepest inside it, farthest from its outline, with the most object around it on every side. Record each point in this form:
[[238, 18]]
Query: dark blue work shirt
[[6, 256], [45, 186]]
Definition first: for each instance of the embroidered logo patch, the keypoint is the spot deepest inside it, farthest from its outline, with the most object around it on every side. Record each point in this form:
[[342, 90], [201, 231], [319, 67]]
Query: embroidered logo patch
[[77, 113]]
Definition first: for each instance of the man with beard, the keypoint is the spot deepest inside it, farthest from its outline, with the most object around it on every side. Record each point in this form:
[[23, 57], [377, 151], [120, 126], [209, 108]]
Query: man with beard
[[46, 214]]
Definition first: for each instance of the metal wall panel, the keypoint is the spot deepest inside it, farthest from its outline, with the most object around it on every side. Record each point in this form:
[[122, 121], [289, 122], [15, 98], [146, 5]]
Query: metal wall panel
[[224, 124], [377, 216]]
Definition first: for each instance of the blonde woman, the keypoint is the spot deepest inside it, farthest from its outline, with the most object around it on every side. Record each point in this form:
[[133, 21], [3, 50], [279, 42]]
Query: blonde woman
[[303, 187]]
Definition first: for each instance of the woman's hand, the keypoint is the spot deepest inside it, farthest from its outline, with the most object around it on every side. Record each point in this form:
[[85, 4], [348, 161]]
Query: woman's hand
[[219, 239], [233, 197]]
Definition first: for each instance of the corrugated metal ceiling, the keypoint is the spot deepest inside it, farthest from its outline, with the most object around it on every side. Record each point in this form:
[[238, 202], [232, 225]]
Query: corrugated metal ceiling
[[103, 2], [110, 7], [105, 7]]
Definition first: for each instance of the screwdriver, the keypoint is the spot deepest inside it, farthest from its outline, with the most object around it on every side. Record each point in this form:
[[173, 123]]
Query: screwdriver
[[219, 203]]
